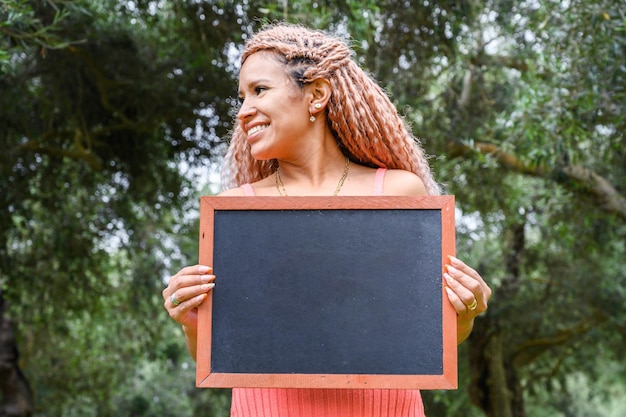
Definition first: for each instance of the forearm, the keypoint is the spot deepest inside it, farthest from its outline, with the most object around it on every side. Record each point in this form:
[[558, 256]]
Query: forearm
[[463, 330], [191, 338]]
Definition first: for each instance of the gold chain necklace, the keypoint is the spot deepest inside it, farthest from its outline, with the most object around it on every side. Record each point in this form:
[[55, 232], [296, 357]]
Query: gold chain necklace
[[279, 181]]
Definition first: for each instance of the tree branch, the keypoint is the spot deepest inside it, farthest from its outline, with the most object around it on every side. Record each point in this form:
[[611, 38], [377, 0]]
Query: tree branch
[[483, 59], [75, 154], [530, 350], [576, 178], [103, 85]]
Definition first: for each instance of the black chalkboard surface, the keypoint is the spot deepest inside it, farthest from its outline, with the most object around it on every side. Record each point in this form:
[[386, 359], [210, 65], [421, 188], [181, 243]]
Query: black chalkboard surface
[[327, 292]]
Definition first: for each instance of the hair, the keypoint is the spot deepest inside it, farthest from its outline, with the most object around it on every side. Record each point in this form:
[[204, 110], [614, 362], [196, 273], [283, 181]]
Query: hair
[[360, 114]]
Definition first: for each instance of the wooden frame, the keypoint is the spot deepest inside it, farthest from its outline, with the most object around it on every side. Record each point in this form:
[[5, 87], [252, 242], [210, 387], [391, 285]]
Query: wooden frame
[[209, 374]]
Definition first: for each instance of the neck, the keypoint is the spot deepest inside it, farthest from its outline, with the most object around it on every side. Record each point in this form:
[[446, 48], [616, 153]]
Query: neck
[[320, 184], [313, 171], [314, 163]]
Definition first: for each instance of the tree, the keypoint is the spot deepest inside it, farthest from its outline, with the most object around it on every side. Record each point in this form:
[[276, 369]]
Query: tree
[[95, 132], [109, 108]]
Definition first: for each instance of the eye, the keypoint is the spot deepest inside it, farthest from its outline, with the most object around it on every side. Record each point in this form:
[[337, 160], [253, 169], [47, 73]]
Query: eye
[[259, 89]]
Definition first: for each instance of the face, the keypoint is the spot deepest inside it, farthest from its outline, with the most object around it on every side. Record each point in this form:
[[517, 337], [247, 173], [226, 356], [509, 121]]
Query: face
[[274, 112]]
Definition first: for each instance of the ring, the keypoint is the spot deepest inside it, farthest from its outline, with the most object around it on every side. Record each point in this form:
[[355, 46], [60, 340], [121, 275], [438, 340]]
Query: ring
[[174, 300], [471, 307]]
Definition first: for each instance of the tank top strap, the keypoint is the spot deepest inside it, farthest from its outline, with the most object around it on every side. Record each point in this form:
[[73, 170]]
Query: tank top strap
[[248, 190], [379, 181]]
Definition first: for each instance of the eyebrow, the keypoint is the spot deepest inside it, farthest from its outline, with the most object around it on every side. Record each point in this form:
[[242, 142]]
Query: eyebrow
[[255, 82]]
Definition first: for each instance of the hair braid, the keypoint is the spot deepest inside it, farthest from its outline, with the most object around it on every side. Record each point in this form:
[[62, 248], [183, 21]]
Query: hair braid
[[360, 114]]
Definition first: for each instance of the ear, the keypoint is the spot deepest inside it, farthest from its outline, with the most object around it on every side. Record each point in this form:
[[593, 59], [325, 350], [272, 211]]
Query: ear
[[319, 92]]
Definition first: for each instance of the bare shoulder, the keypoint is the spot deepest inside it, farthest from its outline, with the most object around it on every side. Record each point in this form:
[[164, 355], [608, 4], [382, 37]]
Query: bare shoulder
[[260, 188], [401, 182], [233, 192]]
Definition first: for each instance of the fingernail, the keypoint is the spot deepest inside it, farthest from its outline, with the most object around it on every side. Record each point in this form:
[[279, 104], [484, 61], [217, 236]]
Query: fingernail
[[207, 278], [454, 260], [207, 287], [448, 278], [203, 268], [450, 292], [452, 269]]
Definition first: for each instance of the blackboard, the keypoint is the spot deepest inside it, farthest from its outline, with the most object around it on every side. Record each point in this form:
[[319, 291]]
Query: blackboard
[[327, 292]]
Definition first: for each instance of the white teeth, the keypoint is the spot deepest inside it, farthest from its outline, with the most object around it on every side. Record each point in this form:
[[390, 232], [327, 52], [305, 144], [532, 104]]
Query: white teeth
[[256, 129]]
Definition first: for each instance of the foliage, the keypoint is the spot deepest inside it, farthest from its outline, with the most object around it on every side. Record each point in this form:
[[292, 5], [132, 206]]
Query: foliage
[[113, 113], [93, 194], [22, 29]]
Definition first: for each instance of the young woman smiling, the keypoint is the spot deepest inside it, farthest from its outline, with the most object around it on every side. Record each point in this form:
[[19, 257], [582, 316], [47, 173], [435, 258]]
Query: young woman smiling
[[312, 123]]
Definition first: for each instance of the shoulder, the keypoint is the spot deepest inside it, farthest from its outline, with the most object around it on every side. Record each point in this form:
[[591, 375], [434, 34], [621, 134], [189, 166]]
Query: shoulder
[[401, 182], [262, 187], [233, 192]]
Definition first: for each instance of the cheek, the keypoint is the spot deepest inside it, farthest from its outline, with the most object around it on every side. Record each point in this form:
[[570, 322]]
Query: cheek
[[295, 98], [290, 114]]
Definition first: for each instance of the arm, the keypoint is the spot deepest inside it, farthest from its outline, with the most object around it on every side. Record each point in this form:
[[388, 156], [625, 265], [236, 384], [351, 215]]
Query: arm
[[468, 293], [189, 288]]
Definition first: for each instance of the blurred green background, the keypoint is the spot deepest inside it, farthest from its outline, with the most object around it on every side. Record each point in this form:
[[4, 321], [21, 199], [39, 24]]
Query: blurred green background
[[113, 119]]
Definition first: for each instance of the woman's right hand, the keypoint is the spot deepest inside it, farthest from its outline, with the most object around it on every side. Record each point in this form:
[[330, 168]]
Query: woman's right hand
[[186, 291]]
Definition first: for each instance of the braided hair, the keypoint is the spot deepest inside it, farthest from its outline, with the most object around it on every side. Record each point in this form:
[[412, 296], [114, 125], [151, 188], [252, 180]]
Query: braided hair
[[361, 116]]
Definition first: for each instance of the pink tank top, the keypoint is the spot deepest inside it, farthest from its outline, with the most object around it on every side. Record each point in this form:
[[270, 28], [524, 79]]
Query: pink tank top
[[304, 402], [301, 402]]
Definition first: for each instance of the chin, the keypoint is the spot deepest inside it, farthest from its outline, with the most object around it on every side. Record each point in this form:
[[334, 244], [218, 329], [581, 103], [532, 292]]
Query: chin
[[262, 155]]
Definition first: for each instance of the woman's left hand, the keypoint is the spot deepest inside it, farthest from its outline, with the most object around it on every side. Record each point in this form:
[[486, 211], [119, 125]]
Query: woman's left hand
[[468, 293]]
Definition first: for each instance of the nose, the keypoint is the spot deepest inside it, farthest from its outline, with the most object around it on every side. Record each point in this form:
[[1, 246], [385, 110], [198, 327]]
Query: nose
[[245, 111]]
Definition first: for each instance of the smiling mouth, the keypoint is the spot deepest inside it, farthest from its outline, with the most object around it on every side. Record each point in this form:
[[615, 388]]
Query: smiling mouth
[[256, 129]]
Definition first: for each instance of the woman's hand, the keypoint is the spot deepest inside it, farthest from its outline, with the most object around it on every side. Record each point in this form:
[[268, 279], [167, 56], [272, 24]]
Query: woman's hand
[[185, 292], [468, 293]]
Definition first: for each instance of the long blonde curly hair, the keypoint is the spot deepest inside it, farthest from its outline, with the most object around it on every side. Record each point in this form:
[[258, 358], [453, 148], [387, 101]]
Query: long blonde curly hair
[[363, 119]]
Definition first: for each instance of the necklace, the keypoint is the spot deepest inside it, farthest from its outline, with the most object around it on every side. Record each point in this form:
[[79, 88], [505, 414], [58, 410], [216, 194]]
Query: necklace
[[279, 181]]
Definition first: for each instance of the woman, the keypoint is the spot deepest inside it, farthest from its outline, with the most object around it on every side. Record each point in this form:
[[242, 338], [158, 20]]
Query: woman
[[312, 123]]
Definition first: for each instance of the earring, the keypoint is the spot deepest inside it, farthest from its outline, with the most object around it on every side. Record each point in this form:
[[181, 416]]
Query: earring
[[317, 106]]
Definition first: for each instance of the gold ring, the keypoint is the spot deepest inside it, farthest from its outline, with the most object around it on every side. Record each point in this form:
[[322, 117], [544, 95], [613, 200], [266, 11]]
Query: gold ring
[[473, 305]]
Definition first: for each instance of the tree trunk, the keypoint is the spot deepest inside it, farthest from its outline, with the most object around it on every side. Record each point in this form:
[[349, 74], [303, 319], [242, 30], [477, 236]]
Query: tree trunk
[[495, 387], [16, 398]]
